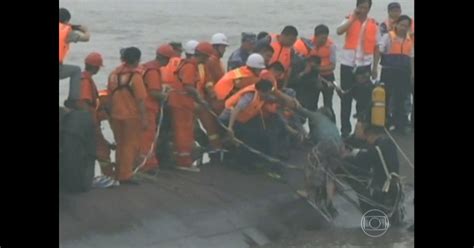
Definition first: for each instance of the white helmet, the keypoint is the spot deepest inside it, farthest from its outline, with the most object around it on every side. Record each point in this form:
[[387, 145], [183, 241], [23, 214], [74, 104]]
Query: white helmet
[[190, 46], [219, 39], [255, 60]]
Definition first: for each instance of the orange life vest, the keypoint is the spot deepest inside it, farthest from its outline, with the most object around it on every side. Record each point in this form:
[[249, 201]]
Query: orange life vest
[[151, 102], [400, 47], [281, 53], [302, 47], [369, 39], [168, 72], [95, 94], [64, 31], [234, 80], [252, 110], [324, 52]]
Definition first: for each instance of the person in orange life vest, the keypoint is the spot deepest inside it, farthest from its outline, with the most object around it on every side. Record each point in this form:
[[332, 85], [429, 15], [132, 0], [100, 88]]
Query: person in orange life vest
[[398, 55], [358, 51], [153, 85], [283, 49], [325, 48], [239, 78], [70, 33], [214, 64], [394, 11], [181, 102], [89, 101], [211, 138], [168, 76], [127, 113], [243, 114]]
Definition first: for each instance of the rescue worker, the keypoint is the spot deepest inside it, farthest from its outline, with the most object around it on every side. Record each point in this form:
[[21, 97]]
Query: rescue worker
[[303, 46], [283, 49], [182, 104], [239, 56], [153, 84], [379, 162], [358, 51], [70, 33], [214, 65], [394, 11], [243, 114], [205, 88], [90, 101], [325, 48], [239, 78], [128, 113], [397, 50]]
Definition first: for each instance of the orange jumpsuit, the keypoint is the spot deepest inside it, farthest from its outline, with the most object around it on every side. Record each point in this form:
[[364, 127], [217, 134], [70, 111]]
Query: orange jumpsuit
[[152, 81], [182, 108], [89, 101], [126, 88], [207, 119]]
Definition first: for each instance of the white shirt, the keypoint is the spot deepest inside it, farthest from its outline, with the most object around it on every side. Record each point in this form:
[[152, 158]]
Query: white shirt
[[351, 57], [386, 43]]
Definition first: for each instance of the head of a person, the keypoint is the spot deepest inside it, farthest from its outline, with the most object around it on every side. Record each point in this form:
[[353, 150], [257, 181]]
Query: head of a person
[[190, 48], [362, 75], [262, 35], [277, 69], [365, 131], [93, 62], [363, 7], [266, 51], [394, 10], [131, 56], [64, 16], [288, 36], [177, 47], [203, 51], [321, 33], [164, 53], [314, 61], [219, 42], [264, 88], [255, 63], [403, 24], [249, 40]]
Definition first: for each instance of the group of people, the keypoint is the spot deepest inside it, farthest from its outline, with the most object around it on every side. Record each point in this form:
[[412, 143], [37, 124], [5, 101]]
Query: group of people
[[269, 79]]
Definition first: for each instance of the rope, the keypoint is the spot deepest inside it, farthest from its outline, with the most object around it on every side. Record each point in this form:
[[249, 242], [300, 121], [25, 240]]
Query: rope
[[399, 149], [152, 146]]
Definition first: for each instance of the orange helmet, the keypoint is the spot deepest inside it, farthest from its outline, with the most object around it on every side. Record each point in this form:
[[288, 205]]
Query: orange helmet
[[166, 51], [205, 48], [94, 59]]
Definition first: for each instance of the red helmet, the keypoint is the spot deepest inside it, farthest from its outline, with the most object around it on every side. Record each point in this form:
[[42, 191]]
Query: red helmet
[[94, 59], [205, 48], [166, 51]]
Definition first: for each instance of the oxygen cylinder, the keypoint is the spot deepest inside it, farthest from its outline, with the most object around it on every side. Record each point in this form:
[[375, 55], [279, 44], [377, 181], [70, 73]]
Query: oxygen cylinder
[[378, 106]]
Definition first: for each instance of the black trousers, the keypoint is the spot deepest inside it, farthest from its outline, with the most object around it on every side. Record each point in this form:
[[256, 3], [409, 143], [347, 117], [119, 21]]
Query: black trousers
[[397, 92], [359, 92]]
